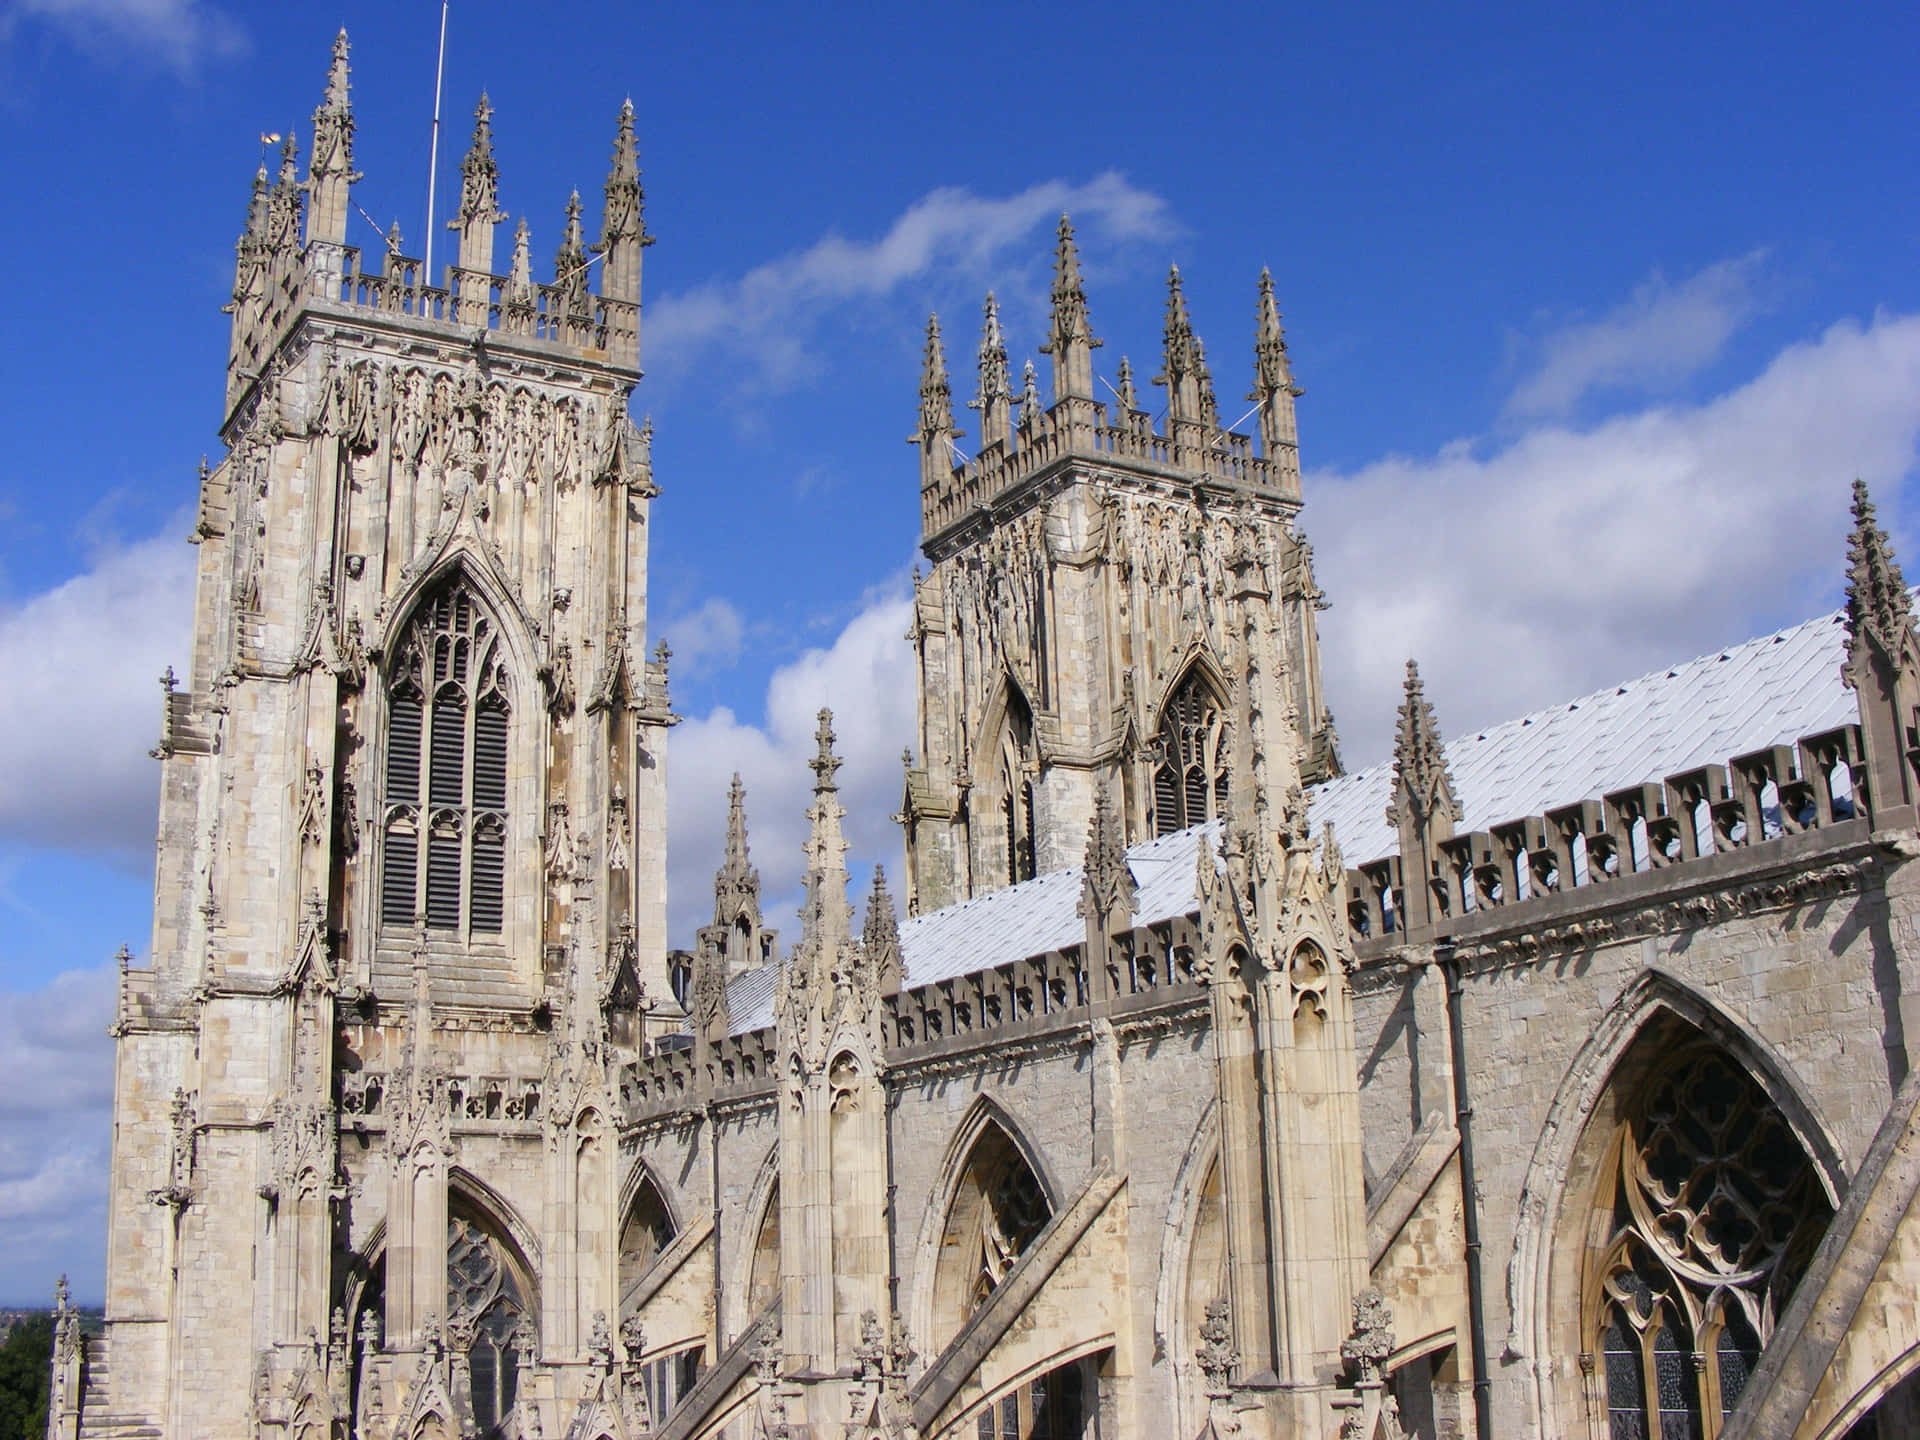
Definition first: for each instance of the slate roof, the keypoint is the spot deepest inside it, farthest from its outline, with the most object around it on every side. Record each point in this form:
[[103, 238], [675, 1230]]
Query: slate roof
[[1775, 689]]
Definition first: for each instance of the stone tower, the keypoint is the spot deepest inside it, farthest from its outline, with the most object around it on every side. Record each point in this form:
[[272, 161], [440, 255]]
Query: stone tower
[[411, 898], [1081, 622]]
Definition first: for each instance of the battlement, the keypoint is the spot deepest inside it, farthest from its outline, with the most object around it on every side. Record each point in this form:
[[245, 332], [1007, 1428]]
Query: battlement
[[293, 256], [1017, 449]]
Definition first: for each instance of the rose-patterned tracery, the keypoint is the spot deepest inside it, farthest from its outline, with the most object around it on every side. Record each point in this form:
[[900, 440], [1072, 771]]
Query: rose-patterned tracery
[[1714, 1209], [448, 709]]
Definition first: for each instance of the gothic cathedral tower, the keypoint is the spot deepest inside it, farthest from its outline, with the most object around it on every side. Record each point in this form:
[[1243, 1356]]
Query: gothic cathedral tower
[[1082, 625], [411, 897]]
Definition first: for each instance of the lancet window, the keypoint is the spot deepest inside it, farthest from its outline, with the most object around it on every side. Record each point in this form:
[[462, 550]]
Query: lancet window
[[1712, 1211], [999, 1208], [448, 709], [1017, 765], [1190, 757], [489, 1320]]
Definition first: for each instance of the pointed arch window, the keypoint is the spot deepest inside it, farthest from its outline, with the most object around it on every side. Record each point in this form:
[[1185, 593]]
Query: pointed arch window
[[1190, 757], [490, 1319], [1712, 1211], [1017, 765], [448, 710]]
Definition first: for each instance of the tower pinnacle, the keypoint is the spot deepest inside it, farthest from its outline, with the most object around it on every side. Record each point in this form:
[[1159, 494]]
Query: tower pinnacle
[[936, 432], [825, 919], [1273, 389], [1070, 340], [995, 398], [478, 213], [1180, 361], [330, 168], [1879, 609], [623, 226]]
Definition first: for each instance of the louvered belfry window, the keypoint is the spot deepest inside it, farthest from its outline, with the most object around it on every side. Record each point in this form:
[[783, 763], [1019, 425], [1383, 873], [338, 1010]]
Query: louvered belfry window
[[1190, 751], [448, 706]]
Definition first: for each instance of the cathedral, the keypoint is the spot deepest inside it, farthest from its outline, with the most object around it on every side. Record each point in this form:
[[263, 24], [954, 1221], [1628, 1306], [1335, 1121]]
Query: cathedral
[[1556, 1080]]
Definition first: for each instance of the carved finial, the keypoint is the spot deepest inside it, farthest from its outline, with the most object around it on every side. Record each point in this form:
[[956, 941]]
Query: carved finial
[[1366, 1349], [337, 72], [569, 263], [1203, 383], [1216, 1354], [936, 395], [283, 202], [1129, 397], [393, 238], [736, 871], [1180, 360], [1107, 888], [479, 175], [1070, 335], [994, 400], [1879, 609], [825, 913], [1423, 786], [880, 937]]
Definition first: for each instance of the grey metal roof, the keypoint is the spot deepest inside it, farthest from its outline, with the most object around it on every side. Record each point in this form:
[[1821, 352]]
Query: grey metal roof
[[1012, 923], [1774, 689], [1763, 692]]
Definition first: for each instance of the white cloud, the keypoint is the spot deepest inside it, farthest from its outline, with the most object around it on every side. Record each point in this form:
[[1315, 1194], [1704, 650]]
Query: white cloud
[[1573, 558], [707, 637], [1658, 338], [867, 678], [56, 1091], [178, 34], [768, 316], [81, 706]]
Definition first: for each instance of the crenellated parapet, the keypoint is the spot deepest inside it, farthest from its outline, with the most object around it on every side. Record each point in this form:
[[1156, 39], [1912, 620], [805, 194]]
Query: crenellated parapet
[[283, 273]]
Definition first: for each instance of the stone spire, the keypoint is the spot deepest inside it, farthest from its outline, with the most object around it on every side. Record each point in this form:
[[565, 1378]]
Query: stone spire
[[1273, 389], [478, 212], [623, 226], [518, 305], [1203, 382], [1107, 889], [880, 937], [995, 398], [1070, 339], [1129, 396], [1424, 808], [250, 248], [1882, 667], [1180, 363], [1879, 608], [935, 437], [826, 923], [330, 167], [737, 874]]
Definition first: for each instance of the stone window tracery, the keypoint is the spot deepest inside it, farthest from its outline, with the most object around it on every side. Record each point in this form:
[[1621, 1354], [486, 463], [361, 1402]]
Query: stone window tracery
[[1713, 1209], [489, 1320], [1190, 757], [1017, 766], [448, 711]]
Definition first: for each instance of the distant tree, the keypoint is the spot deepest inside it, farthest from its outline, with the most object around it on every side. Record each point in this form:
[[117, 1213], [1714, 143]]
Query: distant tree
[[26, 1375]]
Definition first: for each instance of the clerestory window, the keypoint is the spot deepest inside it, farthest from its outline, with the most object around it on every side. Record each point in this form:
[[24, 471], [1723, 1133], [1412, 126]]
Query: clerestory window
[[448, 707], [1190, 758]]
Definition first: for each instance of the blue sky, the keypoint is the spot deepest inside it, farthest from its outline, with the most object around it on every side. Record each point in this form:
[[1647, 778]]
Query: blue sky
[[1596, 319]]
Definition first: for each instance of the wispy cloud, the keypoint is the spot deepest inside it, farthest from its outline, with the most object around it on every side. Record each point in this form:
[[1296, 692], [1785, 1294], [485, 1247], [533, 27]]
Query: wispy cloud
[[867, 677], [56, 1089], [81, 707], [178, 34], [1572, 558], [768, 319], [1658, 338], [707, 637]]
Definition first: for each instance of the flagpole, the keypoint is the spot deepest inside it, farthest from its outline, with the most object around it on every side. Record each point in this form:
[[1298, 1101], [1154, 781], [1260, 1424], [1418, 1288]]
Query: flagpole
[[433, 152]]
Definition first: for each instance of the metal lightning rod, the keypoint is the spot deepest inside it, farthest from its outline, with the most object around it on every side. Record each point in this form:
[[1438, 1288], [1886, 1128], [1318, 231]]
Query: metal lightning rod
[[433, 152]]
